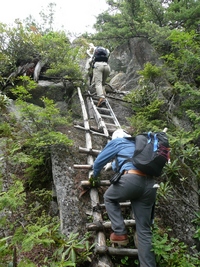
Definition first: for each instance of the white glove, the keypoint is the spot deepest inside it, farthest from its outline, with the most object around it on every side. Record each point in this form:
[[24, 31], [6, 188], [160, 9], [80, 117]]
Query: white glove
[[91, 173], [108, 166]]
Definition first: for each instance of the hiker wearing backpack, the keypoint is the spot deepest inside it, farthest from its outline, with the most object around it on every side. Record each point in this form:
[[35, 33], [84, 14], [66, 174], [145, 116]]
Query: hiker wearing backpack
[[101, 71], [133, 185]]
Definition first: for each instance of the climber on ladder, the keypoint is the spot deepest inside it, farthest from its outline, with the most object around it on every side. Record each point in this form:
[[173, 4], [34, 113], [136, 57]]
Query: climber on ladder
[[98, 63], [132, 185]]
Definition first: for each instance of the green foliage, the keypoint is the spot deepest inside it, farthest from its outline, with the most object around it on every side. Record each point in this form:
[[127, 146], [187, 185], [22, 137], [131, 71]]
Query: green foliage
[[193, 115], [74, 250], [145, 100], [154, 12], [158, 37], [46, 138], [40, 119], [94, 181], [14, 198], [35, 229], [23, 91], [183, 14], [35, 235], [150, 72], [26, 44], [24, 263], [4, 102], [60, 55], [18, 46], [121, 22], [196, 221], [165, 191], [148, 110], [185, 155], [124, 261], [172, 169], [39, 132], [171, 252], [147, 86], [184, 56], [26, 142], [188, 100]]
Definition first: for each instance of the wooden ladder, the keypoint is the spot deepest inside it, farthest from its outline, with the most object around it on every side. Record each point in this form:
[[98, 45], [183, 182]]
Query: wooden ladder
[[106, 122]]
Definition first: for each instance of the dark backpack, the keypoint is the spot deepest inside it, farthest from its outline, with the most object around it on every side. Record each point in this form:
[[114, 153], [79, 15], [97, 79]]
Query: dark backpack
[[151, 152], [100, 54]]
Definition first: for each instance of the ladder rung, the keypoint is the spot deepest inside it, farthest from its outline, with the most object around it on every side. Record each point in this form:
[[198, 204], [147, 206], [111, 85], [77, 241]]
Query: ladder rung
[[106, 116], [94, 226], [76, 166], [103, 109], [111, 124], [116, 251], [94, 152], [123, 204], [102, 182]]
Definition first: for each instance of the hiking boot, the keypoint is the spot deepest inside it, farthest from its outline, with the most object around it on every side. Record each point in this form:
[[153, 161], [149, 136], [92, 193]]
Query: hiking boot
[[101, 103], [119, 239]]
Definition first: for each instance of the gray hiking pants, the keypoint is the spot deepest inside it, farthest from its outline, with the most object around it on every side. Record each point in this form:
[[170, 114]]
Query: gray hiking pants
[[139, 190], [101, 72]]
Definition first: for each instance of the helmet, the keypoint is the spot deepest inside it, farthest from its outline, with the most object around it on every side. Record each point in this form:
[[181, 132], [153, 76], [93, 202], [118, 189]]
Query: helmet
[[120, 133]]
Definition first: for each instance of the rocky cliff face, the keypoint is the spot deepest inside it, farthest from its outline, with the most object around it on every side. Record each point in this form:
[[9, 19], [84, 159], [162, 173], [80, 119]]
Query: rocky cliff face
[[127, 59], [74, 204]]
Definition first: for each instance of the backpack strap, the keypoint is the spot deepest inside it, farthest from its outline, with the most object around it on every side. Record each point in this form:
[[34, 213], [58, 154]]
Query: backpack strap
[[149, 137], [117, 163], [155, 145]]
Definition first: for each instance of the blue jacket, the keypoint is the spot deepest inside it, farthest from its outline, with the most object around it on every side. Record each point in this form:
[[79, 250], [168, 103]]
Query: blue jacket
[[116, 147]]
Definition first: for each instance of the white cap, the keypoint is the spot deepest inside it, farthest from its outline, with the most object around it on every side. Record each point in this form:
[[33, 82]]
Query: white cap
[[120, 133]]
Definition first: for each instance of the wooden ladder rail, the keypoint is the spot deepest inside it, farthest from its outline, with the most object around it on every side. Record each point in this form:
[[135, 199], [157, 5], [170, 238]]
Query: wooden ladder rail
[[94, 196], [99, 117], [100, 122], [113, 114]]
